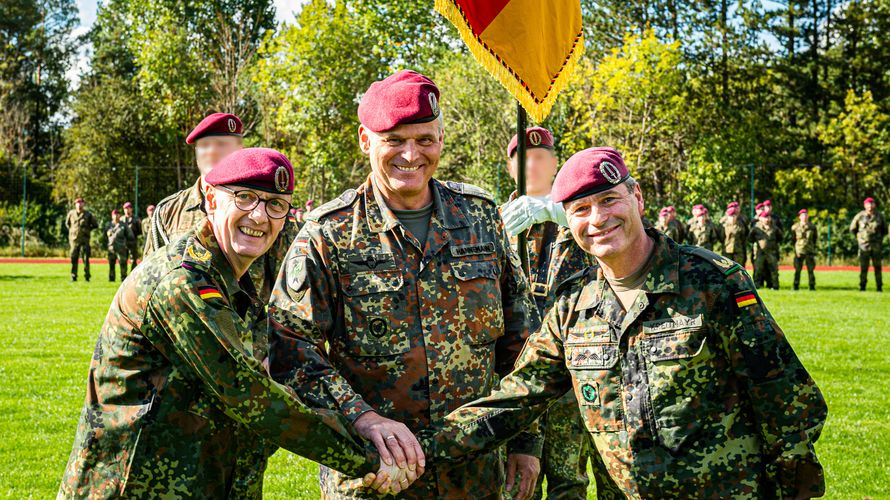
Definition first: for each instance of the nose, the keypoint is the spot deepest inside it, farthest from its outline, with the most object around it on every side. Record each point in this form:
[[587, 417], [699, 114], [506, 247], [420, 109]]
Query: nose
[[410, 153], [258, 214], [598, 217]]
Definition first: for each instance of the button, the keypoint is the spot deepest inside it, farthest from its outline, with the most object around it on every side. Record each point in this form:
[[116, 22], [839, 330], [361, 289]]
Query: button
[[653, 350]]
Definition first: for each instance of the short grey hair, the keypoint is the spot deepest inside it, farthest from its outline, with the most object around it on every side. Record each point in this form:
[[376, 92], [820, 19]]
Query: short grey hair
[[631, 183]]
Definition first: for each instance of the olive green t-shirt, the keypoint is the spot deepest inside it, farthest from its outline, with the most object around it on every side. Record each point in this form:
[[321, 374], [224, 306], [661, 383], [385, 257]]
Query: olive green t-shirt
[[417, 222]]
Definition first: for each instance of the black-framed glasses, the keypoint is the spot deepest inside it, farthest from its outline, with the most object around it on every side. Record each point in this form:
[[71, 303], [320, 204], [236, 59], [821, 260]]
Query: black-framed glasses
[[247, 200]]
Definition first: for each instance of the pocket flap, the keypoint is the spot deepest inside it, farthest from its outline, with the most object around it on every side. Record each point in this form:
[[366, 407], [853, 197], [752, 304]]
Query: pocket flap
[[675, 345], [466, 271], [365, 283]]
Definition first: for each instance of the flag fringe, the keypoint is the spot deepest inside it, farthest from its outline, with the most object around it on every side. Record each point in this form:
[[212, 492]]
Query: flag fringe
[[537, 108]]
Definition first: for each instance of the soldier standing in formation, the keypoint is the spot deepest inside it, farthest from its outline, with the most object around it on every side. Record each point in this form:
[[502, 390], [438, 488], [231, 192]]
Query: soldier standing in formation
[[80, 223], [135, 224], [803, 235], [702, 232], [870, 228], [735, 234], [146, 224], [120, 238], [764, 235]]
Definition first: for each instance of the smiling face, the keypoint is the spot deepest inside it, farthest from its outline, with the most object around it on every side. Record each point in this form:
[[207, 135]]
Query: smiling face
[[403, 160], [210, 150], [607, 224], [243, 236]]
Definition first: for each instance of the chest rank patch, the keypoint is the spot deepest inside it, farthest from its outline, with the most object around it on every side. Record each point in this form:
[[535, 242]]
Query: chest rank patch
[[589, 393]]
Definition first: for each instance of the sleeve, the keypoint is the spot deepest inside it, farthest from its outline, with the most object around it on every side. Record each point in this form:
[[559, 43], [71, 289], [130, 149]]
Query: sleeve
[[539, 378], [301, 320], [786, 402], [854, 226], [520, 319], [198, 333], [153, 239]]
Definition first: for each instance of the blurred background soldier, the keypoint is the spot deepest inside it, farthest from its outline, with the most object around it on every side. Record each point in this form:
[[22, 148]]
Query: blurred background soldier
[[80, 222], [764, 236], [703, 232], [869, 227], [135, 225], [803, 235], [735, 234], [120, 238]]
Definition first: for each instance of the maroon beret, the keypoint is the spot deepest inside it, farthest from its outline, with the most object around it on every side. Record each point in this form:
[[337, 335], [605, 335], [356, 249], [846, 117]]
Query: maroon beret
[[732, 204], [150, 207], [79, 200], [128, 205], [115, 212], [535, 137], [664, 211], [589, 172], [802, 211], [216, 124], [402, 98], [698, 207], [868, 200], [704, 209], [758, 207], [259, 168], [672, 209], [732, 210], [767, 203]]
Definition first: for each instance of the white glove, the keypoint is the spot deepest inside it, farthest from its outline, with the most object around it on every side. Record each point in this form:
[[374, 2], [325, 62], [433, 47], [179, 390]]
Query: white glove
[[521, 213]]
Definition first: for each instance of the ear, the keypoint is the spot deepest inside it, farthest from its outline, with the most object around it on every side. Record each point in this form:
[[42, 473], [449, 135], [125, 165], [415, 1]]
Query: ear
[[511, 168], [364, 140], [641, 203]]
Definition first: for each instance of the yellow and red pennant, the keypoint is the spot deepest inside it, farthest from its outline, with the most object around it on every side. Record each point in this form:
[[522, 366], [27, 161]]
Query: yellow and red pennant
[[530, 46], [745, 299], [209, 292]]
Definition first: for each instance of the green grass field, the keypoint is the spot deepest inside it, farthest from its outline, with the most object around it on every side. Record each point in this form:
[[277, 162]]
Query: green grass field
[[49, 327]]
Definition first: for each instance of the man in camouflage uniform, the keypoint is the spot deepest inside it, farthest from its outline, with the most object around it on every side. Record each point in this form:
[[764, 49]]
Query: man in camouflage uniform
[[401, 300], [176, 390], [735, 234], [80, 222], [688, 387], [765, 236], [702, 231], [668, 225], [803, 235], [130, 219], [119, 237], [215, 137], [146, 223], [870, 228], [553, 256]]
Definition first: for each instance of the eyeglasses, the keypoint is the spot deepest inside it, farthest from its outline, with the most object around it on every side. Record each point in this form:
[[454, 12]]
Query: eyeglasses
[[247, 200]]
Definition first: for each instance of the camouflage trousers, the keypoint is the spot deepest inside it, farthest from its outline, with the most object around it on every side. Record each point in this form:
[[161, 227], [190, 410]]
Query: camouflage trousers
[[766, 271], [872, 255], [78, 249], [131, 254], [117, 257], [799, 261]]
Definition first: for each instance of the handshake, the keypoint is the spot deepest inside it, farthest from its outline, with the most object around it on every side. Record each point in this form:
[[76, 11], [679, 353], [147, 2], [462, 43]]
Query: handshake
[[402, 460]]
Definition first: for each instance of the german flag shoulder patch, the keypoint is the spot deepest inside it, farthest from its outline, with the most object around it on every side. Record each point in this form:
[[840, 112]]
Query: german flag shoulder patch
[[209, 292], [745, 299]]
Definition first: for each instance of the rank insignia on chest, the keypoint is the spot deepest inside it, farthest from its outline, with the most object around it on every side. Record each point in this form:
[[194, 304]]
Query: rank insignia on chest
[[209, 292]]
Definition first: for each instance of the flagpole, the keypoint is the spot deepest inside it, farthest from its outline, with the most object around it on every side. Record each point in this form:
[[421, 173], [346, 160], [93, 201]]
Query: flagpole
[[521, 244]]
